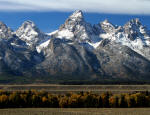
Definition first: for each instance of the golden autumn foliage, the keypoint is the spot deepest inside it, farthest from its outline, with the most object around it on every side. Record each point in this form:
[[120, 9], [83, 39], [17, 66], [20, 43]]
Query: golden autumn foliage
[[44, 99], [3, 98], [34, 98]]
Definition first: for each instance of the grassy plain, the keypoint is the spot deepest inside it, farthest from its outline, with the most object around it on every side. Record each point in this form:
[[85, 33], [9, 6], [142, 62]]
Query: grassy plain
[[77, 88], [92, 111]]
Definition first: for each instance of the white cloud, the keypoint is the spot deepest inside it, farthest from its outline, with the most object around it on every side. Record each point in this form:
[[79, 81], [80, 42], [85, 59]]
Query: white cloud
[[100, 6]]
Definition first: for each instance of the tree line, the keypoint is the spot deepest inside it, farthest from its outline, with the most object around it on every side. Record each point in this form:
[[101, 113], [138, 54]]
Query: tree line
[[38, 99]]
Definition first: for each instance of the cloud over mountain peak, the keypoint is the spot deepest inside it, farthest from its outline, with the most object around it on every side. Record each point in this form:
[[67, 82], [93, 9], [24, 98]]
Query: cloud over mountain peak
[[99, 6]]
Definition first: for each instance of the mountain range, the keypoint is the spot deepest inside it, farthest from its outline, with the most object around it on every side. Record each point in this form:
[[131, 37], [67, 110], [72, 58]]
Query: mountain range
[[77, 50]]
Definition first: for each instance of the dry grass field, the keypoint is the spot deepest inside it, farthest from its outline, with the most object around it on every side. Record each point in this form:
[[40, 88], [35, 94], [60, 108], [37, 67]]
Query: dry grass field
[[43, 111], [78, 88]]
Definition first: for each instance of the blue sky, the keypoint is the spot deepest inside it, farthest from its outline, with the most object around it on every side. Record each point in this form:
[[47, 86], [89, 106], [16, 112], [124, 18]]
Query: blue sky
[[50, 14], [50, 21]]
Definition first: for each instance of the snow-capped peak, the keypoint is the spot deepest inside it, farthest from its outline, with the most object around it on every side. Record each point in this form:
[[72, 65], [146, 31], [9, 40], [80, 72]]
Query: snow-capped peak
[[76, 28], [77, 14], [28, 23], [135, 21], [107, 27], [106, 22], [134, 29], [28, 26], [29, 33], [5, 32], [75, 19], [133, 24]]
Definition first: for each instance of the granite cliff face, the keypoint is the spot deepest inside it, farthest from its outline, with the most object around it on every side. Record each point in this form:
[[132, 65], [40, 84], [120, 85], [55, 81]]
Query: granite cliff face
[[77, 50]]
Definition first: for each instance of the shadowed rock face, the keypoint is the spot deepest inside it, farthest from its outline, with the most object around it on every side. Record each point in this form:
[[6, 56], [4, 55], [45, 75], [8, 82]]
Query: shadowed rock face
[[77, 50], [17, 60], [110, 60], [72, 60], [120, 61]]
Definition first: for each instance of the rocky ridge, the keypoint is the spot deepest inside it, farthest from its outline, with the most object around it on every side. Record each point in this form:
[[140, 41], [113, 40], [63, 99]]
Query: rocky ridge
[[77, 50]]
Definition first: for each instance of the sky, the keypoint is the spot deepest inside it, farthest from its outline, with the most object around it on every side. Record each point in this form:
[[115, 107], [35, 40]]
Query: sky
[[48, 15]]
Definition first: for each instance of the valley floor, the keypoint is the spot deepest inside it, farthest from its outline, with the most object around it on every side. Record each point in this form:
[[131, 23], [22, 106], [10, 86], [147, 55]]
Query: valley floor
[[47, 111], [63, 89]]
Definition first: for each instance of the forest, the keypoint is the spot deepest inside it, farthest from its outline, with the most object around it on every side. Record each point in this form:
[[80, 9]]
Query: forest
[[43, 99]]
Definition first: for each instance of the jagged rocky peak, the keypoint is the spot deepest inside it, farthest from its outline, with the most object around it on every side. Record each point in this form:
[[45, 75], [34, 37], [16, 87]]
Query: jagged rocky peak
[[78, 14], [75, 19], [76, 28], [27, 23], [5, 32], [2, 25], [134, 29], [29, 33], [30, 25], [132, 22], [26, 27], [107, 26], [106, 22]]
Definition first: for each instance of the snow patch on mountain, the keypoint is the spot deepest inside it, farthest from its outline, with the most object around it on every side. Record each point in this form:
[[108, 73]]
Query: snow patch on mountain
[[65, 34], [95, 45], [42, 46], [52, 33]]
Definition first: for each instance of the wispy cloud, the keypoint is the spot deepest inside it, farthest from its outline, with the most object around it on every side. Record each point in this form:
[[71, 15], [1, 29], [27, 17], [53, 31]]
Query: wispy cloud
[[100, 6]]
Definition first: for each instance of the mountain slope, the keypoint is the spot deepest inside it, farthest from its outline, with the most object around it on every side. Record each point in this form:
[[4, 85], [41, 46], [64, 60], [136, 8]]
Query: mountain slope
[[15, 56], [133, 34], [77, 50], [120, 61], [63, 59]]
